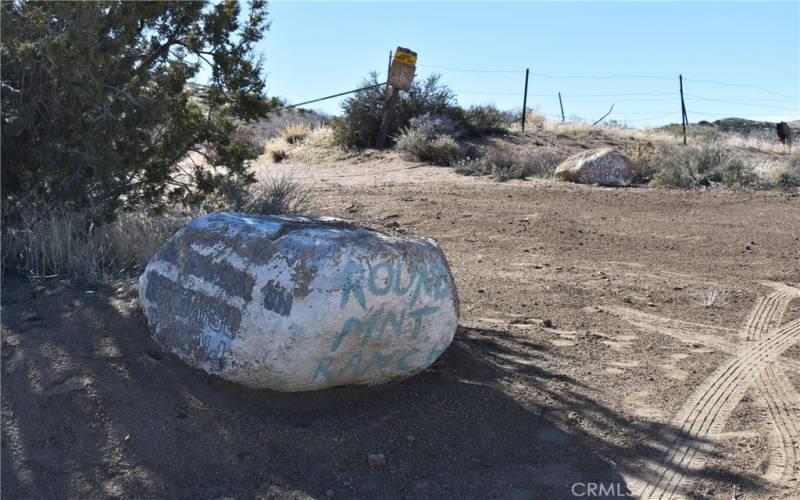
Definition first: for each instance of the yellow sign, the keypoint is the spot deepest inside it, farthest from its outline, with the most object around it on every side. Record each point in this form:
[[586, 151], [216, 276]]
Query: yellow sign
[[401, 73], [406, 56]]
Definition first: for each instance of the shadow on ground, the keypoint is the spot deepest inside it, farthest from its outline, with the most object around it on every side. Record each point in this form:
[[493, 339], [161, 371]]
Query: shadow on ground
[[92, 408]]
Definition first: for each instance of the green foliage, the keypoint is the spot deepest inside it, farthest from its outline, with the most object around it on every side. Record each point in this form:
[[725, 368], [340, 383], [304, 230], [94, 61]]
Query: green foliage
[[736, 173], [691, 166], [430, 139], [97, 110], [361, 120], [486, 120]]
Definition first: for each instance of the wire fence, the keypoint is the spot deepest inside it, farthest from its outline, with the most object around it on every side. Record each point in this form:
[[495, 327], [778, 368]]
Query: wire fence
[[788, 106], [772, 103]]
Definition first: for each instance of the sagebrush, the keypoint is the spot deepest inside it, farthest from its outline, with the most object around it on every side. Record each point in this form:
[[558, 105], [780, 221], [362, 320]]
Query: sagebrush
[[430, 138]]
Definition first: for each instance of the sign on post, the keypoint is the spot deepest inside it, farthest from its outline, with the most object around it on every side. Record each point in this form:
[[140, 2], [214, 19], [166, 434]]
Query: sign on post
[[401, 74]]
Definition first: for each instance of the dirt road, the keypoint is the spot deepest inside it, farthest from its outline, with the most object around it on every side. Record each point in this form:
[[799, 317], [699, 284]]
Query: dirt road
[[635, 339]]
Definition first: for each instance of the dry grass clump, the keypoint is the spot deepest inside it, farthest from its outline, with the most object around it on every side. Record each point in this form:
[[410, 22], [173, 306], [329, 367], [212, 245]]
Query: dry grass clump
[[42, 241], [317, 145], [533, 121], [294, 133], [261, 132], [274, 196], [780, 173], [754, 142], [711, 298]]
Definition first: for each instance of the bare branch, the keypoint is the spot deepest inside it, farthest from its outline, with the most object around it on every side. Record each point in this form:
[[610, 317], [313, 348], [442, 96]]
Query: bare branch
[[602, 117]]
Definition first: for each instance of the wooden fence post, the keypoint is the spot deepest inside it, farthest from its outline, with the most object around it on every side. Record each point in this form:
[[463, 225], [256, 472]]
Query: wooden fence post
[[388, 114]]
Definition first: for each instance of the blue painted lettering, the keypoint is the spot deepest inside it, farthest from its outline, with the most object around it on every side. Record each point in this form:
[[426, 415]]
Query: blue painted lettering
[[373, 278], [353, 283]]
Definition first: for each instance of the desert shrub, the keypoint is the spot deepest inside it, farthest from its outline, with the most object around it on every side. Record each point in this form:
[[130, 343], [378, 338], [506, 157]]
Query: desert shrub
[[438, 149], [784, 174], [359, 124], [444, 150], [259, 132], [693, 165], [294, 132], [639, 153], [486, 120], [508, 164], [97, 102], [277, 154], [46, 241], [473, 166], [534, 119], [429, 138], [318, 145], [672, 174], [736, 173], [275, 196]]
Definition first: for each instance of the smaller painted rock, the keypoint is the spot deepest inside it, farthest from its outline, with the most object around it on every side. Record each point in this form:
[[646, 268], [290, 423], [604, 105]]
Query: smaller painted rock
[[298, 303], [603, 166]]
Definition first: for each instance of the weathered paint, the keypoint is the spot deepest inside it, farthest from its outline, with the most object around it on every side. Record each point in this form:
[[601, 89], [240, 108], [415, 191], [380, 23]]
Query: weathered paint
[[299, 303]]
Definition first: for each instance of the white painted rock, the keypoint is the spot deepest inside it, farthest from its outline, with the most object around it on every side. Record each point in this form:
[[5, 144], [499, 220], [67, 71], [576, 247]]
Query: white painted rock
[[603, 166], [297, 303]]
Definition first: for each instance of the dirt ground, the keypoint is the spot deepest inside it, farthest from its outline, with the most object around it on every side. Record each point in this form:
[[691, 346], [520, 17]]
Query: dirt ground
[[610, 340]]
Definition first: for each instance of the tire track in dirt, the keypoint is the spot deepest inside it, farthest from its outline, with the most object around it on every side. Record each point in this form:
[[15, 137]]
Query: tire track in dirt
[[781, 400], [706, 412], [685, 331]]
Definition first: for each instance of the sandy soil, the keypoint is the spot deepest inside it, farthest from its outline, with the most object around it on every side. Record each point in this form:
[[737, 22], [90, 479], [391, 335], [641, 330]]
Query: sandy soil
[[587, 353]]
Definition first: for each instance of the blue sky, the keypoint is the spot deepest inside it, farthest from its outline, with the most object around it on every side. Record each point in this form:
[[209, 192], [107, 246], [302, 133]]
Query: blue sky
[[315, 49]]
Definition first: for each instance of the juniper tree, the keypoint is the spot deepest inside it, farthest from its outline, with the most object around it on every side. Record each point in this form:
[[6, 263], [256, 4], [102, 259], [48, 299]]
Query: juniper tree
[[97, 105]]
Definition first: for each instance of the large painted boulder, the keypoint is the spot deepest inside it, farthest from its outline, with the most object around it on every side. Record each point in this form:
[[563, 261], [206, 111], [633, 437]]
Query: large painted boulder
[[299, 303], [603, 166]]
